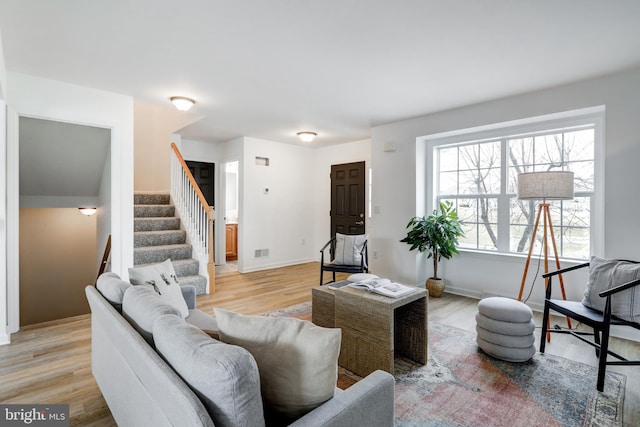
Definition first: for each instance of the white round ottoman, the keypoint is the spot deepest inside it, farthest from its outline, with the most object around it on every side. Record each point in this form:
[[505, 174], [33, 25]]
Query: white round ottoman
[[505, 329]]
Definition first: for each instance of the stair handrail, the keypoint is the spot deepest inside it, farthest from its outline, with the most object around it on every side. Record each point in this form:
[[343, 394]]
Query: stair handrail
[[198, 217], [105, 258]]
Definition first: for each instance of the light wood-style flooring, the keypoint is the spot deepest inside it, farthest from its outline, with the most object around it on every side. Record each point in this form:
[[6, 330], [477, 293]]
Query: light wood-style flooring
[[50, 362]]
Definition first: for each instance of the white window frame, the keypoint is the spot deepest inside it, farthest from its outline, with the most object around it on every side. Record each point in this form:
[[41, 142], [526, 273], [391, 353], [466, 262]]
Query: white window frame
[[592, 115]]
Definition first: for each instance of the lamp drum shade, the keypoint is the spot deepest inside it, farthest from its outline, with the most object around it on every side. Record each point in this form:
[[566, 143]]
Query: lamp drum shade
[[545, 185]]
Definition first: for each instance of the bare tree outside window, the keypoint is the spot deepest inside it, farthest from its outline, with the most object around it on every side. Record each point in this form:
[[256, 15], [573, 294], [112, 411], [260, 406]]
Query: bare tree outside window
[[471, 177]]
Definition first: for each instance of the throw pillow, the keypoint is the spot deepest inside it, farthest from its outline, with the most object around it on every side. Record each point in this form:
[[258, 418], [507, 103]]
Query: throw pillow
[[162, 278], [349, 249], [225, 377], [608, 273], [297, 360]]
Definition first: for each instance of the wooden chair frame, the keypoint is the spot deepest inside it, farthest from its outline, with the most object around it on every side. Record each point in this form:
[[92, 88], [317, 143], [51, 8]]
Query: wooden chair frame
[[333, 268], [601, 322]]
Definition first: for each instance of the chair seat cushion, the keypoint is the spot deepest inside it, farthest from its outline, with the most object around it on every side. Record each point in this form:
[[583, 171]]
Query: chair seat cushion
[[505, 328], [505, 309], [510, 354]]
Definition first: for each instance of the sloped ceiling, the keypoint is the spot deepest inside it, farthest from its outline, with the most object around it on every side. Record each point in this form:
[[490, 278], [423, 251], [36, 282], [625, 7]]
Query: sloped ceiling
[[61, 159]]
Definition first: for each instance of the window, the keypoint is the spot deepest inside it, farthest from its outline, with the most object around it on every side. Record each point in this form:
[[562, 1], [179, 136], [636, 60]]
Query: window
[[479, 176]]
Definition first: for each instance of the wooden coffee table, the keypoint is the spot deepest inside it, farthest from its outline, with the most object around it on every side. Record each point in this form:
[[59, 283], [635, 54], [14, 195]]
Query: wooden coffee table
[[374, 327]]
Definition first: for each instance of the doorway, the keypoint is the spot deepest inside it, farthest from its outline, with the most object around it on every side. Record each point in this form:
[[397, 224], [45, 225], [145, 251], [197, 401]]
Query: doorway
[[204, 174], [348, 198], [231, 215], [62, 167]]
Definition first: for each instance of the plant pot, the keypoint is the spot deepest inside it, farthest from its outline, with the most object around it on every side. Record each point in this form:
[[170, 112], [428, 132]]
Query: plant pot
[[435, 287]]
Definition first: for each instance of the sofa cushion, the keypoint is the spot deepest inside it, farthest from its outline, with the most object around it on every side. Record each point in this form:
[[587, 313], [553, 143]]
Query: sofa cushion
[[298, 361], [225, 377], [141, 307], [162, 277], [349, 248], [204, 322], [608, 273], [112, 288]]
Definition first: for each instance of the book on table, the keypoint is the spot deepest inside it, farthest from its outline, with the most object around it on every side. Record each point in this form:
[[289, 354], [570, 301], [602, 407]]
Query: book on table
[[384, 287]]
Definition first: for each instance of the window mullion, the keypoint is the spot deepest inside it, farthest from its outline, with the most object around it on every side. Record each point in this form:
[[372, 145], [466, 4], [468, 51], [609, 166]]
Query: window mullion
[[503, 199]]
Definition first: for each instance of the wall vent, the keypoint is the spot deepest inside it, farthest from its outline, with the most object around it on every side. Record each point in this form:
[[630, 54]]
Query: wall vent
[[261, 253], [262, 161]]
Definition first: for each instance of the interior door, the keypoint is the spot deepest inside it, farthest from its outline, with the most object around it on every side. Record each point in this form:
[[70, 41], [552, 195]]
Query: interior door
[[348, 198], [203, 173]]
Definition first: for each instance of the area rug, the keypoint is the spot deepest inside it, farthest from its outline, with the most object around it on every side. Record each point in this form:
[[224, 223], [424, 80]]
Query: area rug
[[462, 386]]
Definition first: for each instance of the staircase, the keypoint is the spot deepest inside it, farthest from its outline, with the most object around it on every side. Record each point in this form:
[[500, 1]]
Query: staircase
[[157, 236]]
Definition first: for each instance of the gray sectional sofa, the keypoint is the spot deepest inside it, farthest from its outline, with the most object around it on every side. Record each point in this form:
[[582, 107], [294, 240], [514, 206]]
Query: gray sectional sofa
[[155, 368]]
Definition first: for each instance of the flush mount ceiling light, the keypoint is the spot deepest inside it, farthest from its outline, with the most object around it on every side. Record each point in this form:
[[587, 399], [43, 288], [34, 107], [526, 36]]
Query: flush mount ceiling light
[[87, 211], [306, 136], [182, 103]]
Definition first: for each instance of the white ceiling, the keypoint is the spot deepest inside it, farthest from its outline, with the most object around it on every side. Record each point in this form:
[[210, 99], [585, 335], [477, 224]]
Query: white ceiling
[[268, 69]]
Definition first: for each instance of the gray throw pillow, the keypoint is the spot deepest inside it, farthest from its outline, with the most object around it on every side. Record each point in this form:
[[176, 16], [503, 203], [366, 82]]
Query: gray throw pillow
[[225, 377], [298, 361], [606, 274], [349, 248], [162, 277]]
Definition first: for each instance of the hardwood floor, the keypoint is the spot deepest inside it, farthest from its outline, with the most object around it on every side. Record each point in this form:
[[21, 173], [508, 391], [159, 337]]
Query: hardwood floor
[[50, 362]]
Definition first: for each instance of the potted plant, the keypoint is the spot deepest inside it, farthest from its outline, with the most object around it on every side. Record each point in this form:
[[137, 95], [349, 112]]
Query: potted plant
[[437, 235]]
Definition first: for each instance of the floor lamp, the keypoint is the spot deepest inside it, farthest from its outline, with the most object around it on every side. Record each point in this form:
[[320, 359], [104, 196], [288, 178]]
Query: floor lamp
[[545, 186]]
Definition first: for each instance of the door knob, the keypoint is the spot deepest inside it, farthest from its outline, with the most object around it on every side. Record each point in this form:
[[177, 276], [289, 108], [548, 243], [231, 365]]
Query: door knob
[[359, 222]]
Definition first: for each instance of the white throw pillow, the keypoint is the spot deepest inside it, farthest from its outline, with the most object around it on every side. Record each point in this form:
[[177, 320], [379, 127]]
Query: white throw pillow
[[608, 273], [162, 278], [297, 360], [349, 248]]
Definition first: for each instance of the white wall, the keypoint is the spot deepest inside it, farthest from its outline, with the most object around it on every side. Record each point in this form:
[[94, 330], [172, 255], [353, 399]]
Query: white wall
[[47, 99], [103, 220], [357, 151], [394, 176], [297, 207], [282, 219], [4, 319]]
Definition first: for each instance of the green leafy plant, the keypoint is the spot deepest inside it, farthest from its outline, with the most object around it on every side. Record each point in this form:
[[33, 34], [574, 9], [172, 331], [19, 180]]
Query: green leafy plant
[[436, 234]]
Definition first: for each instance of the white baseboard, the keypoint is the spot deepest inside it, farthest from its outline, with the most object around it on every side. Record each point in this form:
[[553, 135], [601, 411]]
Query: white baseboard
[[5, 339], [278, 265]]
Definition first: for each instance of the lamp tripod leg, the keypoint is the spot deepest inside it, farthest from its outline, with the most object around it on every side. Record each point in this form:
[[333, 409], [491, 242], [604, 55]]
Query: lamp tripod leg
[[526, 265]]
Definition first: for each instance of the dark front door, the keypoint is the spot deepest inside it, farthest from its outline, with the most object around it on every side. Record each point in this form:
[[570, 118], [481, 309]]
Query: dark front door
[[347, 198], [203, 173]]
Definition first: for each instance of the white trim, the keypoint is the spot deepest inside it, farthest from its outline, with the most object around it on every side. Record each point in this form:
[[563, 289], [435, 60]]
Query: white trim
[[13, 218], [5, 338], [68, 103], [592, 115]]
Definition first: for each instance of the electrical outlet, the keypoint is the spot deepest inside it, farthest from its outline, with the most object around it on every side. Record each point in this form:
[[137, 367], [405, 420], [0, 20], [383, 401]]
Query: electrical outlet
[[375, 254]]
